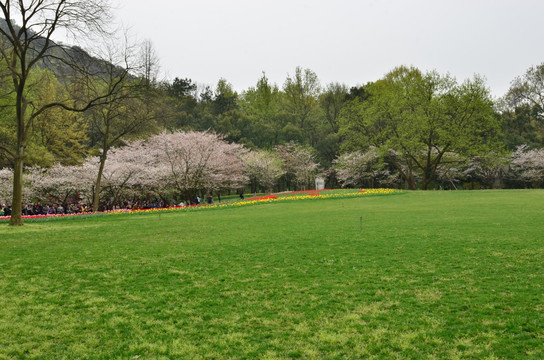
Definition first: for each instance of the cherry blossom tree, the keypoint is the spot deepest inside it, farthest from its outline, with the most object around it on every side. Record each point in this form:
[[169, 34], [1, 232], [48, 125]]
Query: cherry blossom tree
[[528, 165], [130, 169], [299, 163], [263, 168], [6, 187], [489, 169], [58, 183], [6, 181], [358, 168], [451, 169], [198, 162]]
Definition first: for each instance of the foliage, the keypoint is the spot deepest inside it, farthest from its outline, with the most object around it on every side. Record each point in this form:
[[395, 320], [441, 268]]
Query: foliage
[[262, 105], [300, 96], [332, 100], [423, 129], [525, 108], [56, 135], [419, 118], [523, 125]]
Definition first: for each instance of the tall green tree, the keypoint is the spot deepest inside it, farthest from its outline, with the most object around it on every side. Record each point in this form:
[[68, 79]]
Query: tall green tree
[[416, 118], [522, 124], [262, 105], [227, 117], [331, 101], [525, 105], [225, 98], [60, 135], [301, 93]]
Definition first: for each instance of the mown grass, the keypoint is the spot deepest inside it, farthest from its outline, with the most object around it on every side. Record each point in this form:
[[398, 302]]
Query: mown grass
[[438, 275]]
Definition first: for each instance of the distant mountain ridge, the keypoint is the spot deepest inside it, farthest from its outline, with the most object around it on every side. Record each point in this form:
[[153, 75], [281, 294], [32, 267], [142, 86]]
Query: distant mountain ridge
[[63, 59]]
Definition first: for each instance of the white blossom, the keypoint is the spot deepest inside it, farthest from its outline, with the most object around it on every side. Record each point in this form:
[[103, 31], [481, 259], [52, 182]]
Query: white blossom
[[528, 165], [263, 167]]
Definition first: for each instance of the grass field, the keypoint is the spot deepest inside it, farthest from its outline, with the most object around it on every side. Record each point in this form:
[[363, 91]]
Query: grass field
[[437, 275]]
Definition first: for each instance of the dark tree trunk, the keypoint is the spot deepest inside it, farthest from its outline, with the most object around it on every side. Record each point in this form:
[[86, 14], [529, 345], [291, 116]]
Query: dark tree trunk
[[96, 194], [17, 202]]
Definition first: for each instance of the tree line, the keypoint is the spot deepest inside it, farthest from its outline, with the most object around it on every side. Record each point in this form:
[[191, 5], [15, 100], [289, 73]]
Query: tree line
[[410, 129]]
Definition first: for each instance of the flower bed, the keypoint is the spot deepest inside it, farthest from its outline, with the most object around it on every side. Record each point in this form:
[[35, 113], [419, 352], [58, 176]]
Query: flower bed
[[119, 211], [330, 194], [309, 191], [268, 197]]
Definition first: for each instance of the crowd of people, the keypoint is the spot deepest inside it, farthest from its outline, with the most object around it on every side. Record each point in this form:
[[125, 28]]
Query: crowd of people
[[38, 208], [48, 209]]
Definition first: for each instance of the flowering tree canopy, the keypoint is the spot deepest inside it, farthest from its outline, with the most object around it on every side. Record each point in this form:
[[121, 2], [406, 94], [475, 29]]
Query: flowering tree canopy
[[6, 181], [489, 169], [59, 182], [196, 162], [299, 162], [356, 168], [129, 169], [6, 187], [528, 165], [263, 167]]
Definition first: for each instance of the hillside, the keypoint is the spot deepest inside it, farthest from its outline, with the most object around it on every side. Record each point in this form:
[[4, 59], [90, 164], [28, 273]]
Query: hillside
[[66, 60]]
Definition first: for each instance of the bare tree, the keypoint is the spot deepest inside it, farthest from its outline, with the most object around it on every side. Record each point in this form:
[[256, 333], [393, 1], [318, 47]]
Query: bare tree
[[124, 113], [30, 44], [131, 109], [149, 63]]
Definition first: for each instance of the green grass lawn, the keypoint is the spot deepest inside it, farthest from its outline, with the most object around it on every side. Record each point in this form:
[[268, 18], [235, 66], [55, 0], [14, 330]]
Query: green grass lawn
[[437, 275]]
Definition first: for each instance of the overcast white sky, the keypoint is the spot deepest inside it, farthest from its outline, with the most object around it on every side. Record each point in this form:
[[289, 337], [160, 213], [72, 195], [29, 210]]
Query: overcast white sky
[[347, 41]]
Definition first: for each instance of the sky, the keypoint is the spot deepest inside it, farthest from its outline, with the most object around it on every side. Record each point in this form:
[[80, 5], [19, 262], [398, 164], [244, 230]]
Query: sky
[[347, 41]]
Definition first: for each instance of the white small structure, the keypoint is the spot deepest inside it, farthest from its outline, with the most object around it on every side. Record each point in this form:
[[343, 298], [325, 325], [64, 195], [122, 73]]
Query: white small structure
[[319, 183]]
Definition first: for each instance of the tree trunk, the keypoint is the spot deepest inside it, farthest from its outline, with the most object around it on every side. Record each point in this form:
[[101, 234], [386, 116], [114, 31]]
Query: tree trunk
[[17, 202], [410, 180], [96, 195], [425, 184], [411, 184]]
